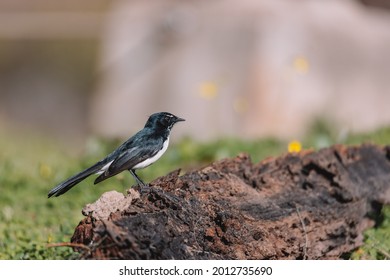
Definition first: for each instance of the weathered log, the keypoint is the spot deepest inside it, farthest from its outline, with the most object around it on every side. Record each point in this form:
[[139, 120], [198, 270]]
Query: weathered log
[[311, 205]]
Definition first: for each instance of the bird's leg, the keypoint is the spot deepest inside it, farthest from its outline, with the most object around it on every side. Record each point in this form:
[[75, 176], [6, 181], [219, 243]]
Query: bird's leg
[[140, 183]]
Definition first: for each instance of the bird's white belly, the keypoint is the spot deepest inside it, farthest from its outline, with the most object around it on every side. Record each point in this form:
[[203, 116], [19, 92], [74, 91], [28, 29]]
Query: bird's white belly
[[151, 160]]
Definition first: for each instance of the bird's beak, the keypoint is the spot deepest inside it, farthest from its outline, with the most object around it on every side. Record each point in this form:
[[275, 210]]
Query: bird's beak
[[179, 120]]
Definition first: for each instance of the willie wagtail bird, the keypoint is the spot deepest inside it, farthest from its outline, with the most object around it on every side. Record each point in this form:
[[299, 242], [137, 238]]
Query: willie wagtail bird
[[139, 151]]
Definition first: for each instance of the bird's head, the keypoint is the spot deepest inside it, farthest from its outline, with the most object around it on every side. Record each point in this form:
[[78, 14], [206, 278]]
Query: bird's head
[[162, 120]]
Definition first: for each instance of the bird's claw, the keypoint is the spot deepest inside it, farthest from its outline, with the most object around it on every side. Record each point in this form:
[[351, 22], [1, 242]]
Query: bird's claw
[[143, 189]]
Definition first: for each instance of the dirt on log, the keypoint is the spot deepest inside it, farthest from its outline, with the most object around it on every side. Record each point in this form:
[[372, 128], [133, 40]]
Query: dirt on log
[[310, 205]]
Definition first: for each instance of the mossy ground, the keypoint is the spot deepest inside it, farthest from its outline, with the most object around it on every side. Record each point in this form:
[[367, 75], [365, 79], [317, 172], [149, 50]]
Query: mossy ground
[[29, 169]]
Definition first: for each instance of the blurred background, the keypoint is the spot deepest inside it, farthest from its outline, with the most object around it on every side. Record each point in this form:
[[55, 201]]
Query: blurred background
[[79, 77], [246, 69]]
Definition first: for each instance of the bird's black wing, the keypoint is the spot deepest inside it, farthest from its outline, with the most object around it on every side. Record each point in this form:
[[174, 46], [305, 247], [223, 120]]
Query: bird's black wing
[[134, 152]]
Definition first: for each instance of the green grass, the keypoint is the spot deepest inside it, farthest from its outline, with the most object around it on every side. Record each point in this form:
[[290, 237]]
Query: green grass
[[29, 169], [377, 240]]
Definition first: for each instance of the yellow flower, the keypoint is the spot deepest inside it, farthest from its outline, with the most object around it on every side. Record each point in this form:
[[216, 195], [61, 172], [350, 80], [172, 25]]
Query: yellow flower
[[45, 171], [294, 147], [208, 90], [301, 65], [360, 251]]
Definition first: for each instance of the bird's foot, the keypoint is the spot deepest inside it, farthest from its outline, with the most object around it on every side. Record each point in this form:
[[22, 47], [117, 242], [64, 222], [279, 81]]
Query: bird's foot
[[143, 189]]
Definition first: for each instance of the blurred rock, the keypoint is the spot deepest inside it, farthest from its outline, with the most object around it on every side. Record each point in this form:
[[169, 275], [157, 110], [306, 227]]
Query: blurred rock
[[250, 69], [247, 69], [385, 4]]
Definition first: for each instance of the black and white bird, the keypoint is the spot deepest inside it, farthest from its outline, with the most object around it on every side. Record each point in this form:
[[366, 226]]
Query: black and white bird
[[139, 151]]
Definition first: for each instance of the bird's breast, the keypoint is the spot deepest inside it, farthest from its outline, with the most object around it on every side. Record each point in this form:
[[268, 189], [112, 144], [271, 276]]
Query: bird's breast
[[151, 160]]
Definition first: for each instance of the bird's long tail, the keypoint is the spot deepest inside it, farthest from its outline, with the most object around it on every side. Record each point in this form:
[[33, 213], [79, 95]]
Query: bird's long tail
[[72, 181]]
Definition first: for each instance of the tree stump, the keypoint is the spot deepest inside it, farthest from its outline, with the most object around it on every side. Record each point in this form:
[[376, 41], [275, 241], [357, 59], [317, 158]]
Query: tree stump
[[310, 205]]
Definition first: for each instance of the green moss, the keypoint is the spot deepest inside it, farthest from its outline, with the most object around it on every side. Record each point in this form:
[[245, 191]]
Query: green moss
[[376, 240]]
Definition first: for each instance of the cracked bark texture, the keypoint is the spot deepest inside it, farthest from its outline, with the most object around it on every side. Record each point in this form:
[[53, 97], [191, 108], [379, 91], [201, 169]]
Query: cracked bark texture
[[310, 205]]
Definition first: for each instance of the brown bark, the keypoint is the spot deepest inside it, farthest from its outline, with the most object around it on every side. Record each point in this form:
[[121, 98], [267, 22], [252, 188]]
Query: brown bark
[[312, 205]]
